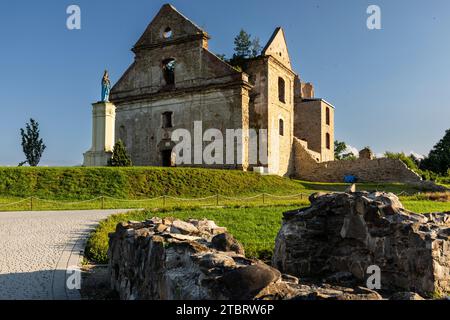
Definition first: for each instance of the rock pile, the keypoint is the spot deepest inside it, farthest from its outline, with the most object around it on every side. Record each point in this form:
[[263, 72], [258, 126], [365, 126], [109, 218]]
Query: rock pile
[[167, 259], [341, 235]]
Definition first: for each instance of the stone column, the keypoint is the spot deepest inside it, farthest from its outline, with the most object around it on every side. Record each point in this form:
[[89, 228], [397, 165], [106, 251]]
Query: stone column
[[103, 134]]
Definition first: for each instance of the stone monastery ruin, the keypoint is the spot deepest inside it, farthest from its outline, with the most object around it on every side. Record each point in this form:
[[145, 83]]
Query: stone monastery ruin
[[175, 81]]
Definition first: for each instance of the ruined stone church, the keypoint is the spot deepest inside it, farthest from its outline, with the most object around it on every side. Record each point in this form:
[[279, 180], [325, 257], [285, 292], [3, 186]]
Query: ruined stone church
[[175, 80]]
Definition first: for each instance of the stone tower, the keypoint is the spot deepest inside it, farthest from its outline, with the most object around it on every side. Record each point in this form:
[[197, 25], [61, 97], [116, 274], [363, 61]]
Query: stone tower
[[272, 101], [314, 121]]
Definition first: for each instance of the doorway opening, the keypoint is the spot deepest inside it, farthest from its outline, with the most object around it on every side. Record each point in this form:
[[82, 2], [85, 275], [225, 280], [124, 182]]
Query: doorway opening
[[166, 156]]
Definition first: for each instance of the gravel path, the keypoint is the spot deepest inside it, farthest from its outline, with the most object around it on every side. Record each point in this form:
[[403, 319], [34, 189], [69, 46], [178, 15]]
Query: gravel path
[[36, 248]]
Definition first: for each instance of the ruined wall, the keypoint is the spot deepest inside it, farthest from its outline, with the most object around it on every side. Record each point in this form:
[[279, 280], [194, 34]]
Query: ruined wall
[[280, 151], [311, 125], [377, 170], [140, 126], [266, 110], [203, 88], [257, 70]]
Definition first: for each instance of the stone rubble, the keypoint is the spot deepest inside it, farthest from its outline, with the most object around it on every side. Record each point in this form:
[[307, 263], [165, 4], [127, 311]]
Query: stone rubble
[[168, 259], [342, 234]]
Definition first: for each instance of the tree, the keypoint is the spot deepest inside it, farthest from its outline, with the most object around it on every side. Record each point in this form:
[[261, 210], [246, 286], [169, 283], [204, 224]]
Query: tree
[[33, 146], [438, 160], [242, 44], [339, 148], [221, 56], [410, 161], [255, 48], [339, 151], [120, 158], [415, 159]]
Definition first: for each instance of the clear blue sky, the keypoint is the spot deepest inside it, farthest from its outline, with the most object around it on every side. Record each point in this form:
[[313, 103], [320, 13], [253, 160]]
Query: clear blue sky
[[391, 87]]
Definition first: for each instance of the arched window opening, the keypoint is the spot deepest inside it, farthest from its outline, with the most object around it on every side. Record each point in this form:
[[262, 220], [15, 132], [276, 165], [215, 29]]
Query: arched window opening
[[167, 34], [328, 116], [167, 120], [168, 67], [281, 90], [281, 126], [328, 141]]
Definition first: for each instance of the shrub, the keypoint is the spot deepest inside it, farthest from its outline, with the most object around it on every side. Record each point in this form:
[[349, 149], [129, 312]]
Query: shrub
[[120, 158], [404, 158]]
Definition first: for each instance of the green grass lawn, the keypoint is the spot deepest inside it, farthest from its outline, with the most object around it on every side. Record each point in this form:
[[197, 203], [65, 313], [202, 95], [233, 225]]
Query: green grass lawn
[[397, 188], [424, 206]]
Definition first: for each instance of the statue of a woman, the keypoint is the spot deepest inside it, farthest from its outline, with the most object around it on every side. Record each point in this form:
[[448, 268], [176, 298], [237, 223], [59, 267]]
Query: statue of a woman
[[106, 87]]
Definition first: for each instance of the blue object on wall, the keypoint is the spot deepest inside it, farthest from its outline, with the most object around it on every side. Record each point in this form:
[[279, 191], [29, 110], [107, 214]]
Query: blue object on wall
[[350, 179]]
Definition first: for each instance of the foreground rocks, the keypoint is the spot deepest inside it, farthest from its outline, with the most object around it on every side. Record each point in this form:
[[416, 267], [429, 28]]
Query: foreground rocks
[[172, 259], [341, 235]]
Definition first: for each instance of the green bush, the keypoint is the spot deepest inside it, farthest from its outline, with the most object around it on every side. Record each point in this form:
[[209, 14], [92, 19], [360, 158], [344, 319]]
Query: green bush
[[134, 183], [120, 157], [409, 161]]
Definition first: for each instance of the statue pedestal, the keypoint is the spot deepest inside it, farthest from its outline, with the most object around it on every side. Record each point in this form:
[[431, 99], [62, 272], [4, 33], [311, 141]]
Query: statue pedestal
[[103, 135]]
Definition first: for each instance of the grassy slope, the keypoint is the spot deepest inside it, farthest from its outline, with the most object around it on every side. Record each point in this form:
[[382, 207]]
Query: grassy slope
[[131, 183], [135, 183], [255, 227]]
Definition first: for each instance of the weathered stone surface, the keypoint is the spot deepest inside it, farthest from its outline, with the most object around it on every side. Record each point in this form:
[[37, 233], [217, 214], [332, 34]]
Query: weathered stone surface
[[350, 232], [149, 262], [283, 290], [183, 260], [406, 296], [430, 186], [182, 227], [226, 242], [308, 166]]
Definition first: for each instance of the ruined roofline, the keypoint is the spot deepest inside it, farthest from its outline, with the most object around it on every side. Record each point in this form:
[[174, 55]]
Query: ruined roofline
[[245, 74], [273, 59], [272, 37], [319, 99], [181, 14], [198, 34]]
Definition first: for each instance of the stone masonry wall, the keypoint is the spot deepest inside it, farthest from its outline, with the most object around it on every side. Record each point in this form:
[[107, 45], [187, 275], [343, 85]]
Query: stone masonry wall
[[377, 170], [342, 234], [169, 259]]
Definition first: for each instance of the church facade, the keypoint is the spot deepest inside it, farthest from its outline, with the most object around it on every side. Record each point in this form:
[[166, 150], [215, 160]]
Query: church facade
[[175, 81]]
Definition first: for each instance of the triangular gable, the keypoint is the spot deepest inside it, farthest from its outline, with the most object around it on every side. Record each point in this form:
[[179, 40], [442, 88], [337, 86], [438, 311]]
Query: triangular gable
[[168, 18], [277, 48]]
